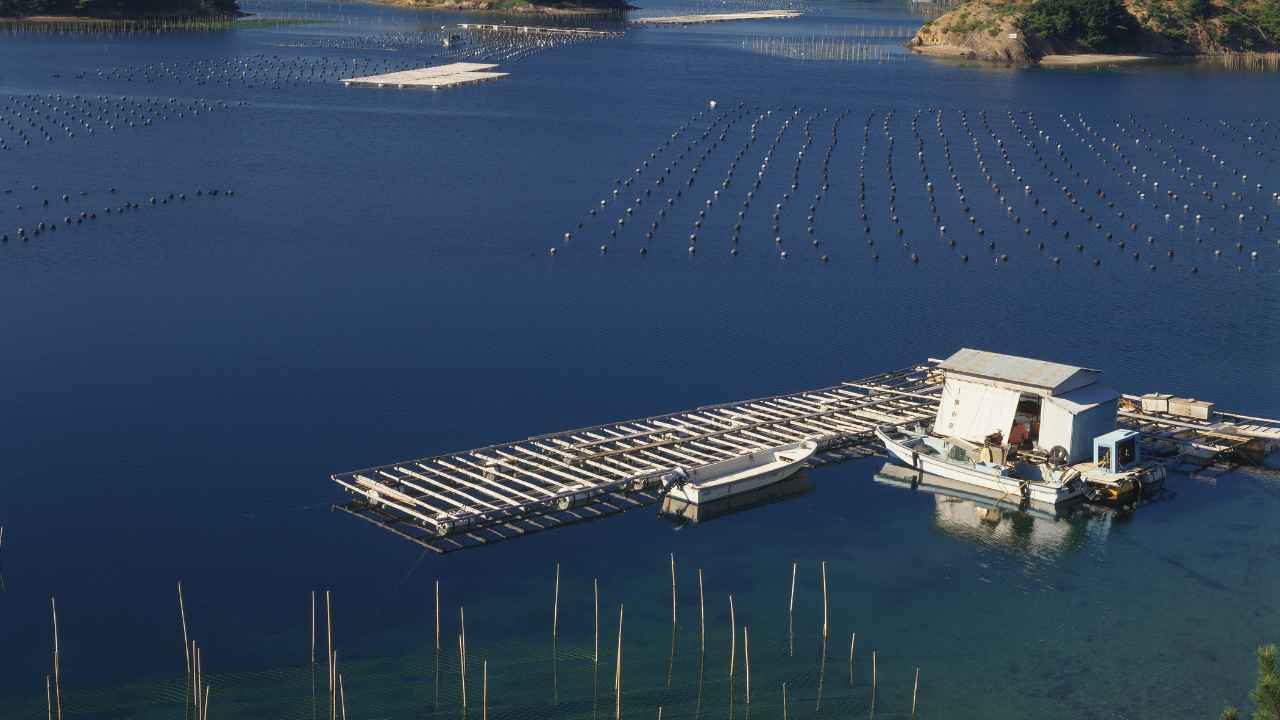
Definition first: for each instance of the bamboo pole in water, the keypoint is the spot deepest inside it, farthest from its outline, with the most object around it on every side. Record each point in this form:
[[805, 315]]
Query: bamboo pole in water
[[328, 615], [462, 670], [484, 691], [196, 652], [342, 693], [617, 673], [595, 594], [853, 640], [673, 589], [791, 604], [195, 679], [555, 607], [57, 658], [824, 600], [182, 613], [437, 617], [915, 691], [48, 696], [733, 639], [702, 617], [746, 653], [784, 701], [873, 682], [204, 711], [313, 628]]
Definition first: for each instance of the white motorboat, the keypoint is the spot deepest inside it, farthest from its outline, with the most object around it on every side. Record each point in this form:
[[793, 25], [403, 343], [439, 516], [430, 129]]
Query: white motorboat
[[982, 466], [741, 474]]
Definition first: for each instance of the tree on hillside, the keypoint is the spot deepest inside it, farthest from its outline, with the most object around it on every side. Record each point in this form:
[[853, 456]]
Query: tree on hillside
[[1094, 24], [1265, 695]]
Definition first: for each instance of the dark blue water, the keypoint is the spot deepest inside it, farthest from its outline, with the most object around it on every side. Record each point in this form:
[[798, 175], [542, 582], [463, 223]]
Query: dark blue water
[[181, 378]]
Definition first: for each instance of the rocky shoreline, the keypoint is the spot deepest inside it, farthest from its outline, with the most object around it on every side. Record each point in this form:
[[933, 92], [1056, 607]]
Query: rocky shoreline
[[1015, 32]]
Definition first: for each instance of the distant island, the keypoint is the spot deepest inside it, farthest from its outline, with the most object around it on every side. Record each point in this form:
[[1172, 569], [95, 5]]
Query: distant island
[[1029, 31], [545, 7], [56, 10]]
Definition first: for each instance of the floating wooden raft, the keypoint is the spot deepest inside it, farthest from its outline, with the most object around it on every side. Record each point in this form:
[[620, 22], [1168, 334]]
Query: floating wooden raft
[[700, 18], [450, 502], [479, 496], [434, 77]]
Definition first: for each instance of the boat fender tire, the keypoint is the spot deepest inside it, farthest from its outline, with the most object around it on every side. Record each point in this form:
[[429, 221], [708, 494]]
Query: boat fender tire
[[1058, 455]]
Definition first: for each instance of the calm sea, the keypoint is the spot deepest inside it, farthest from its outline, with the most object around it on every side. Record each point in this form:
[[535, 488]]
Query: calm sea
[[181, 378]]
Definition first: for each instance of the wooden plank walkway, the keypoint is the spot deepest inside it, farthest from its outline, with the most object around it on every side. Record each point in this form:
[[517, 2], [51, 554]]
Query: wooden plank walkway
[[477, 497]]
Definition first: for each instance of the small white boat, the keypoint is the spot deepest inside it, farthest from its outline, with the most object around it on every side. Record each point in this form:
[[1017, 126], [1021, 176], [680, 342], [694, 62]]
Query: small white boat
[[741, 474], [968, 463]]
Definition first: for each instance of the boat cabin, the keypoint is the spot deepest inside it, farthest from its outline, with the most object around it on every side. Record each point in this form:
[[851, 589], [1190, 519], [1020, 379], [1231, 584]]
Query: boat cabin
[[1116, 451], [997, 399]]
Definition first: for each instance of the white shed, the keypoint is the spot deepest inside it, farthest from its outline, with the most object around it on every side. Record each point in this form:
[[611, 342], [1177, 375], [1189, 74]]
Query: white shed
[[1054, 404]]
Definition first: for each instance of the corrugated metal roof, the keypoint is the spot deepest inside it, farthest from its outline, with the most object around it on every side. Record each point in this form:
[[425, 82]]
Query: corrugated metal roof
[[1085, 398], [1016, 370]]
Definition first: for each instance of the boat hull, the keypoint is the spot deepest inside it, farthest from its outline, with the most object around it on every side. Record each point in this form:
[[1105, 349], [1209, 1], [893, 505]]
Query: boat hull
[[1039, 492], [743, 475]]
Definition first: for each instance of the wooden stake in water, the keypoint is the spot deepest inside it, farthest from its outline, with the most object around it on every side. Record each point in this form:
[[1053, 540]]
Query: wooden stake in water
[[484, 691], [555, 607], [733, 639], [784, 702], [342, 693], [824, 600], [595, 594], [57, 659], [873, 682], [204, 706], [313, 628], [182, 613], [702, 617], [853, 640], [617, 673], [915, 691], [791, 604], [48, 696], [746, 653], [462, 670], [673, 589], [437, 617], [333, 658]]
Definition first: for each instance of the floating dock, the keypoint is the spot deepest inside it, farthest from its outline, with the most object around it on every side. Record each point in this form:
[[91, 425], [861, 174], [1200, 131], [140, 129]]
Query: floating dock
[[433, 77], [587, 32], [716, 17], [476, 497]]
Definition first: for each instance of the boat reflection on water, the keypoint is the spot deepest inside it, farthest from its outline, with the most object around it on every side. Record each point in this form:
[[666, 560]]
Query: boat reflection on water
[[992, 518], [681, 513]]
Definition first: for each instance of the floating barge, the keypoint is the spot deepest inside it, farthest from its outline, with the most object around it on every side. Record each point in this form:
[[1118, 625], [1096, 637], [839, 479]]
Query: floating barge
[[699, 19], [432, 77], [477, 497]]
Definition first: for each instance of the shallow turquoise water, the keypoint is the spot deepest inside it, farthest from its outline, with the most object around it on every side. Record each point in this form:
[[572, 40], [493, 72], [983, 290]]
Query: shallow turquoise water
[[183, 378]]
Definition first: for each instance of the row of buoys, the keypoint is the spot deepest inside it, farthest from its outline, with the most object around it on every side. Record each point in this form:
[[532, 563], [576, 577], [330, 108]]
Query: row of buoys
[[414, 50], [42, 117], [84, 213], [1013, 155]]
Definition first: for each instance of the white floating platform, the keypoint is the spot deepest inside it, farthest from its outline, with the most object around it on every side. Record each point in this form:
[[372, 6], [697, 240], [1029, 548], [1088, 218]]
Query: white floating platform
[[432, 77], [717, 17]]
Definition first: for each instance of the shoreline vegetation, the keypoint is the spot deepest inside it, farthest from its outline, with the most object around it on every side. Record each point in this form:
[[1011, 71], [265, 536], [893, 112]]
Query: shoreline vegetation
[[520, 7], [1238, 34]]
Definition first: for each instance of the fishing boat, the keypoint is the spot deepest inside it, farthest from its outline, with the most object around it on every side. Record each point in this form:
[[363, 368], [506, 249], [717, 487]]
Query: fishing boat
[[740, 474], [1040, 431]]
